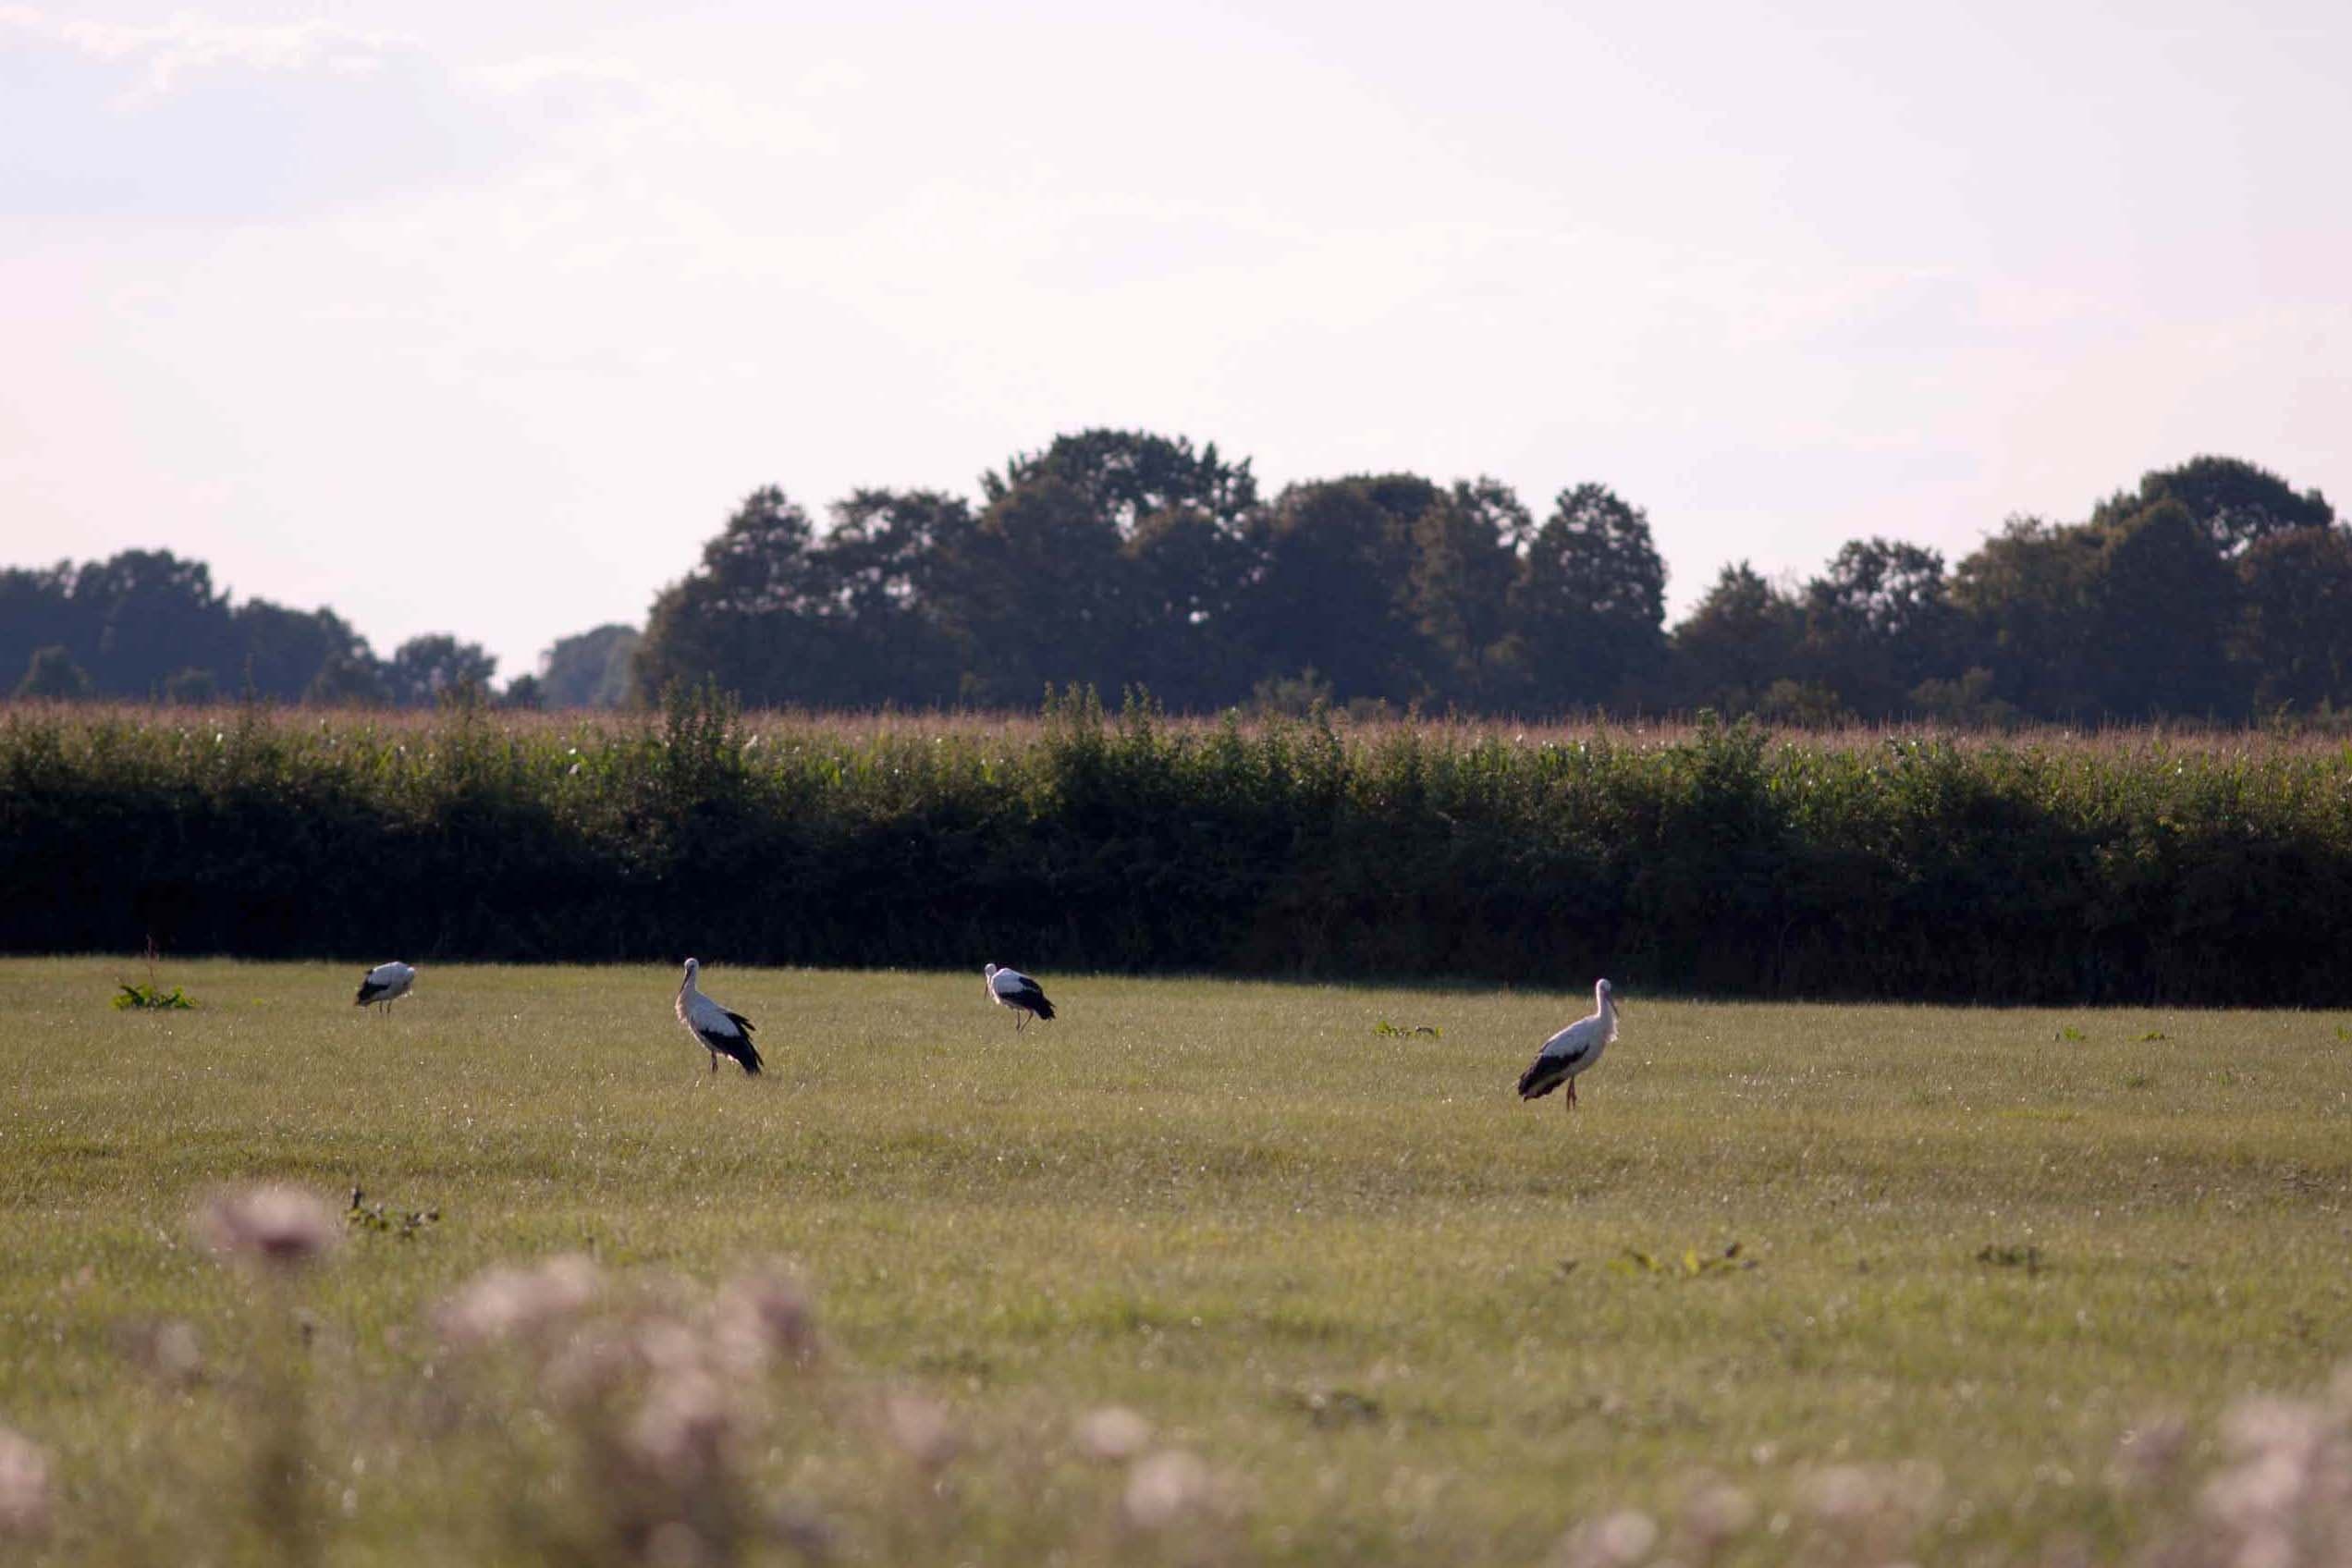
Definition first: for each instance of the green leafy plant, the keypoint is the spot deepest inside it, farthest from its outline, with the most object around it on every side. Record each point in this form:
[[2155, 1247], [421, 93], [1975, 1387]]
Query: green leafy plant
[[1692, 1265], [383, 1219], [151, 997]]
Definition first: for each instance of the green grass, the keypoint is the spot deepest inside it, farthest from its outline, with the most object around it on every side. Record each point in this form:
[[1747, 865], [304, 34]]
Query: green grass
[[1392, 1305]]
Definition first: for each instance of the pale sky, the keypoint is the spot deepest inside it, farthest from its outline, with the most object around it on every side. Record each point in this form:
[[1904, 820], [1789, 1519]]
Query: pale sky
[[480, 317]]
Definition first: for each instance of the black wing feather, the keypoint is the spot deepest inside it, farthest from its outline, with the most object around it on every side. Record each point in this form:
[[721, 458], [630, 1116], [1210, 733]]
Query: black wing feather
[[736, 1048], [1546, 1074]]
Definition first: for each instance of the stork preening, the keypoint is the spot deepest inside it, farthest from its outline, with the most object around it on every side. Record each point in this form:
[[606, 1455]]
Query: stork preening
[[1573, 1051], [1010, 988], [718, 1031], [386, 983]]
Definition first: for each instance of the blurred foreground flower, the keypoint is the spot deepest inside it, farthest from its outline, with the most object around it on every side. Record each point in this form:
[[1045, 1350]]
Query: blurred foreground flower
[[1112, 1433], [681, 1433], [24, 1487], [918, 1427], [1166, 1488], [765, 1316], [2285, 1498], [504, 1303], [168, 1351], [1713, 1514], [1620, 1540], [274, 1227]]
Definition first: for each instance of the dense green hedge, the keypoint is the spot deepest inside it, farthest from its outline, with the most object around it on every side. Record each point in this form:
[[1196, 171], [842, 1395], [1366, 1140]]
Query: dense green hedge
[[1716, 859]]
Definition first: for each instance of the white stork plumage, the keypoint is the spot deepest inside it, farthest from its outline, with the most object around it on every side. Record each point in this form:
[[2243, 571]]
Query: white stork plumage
[[1573, 1051], [1010, 988], [387, 984], [718, 1031]]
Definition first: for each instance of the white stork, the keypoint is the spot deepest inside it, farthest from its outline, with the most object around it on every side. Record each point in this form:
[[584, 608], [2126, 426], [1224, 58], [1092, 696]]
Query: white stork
[[1010, 988], [1573, 1050], [386, 983], [718, 1031]]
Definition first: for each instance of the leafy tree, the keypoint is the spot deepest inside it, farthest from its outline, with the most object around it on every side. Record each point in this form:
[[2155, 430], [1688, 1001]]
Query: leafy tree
[[37, 610], [52, 674], [1738, 640], [746, 617], [1128, 475], [1807, 704], [2234, 503], [1877, 622], [2026, 597], [192, 688], [349, 680], [423, 669], [1462, 568], [1294, 696], [1036, 591], [2162, 606], [157, 614], [2293, 637], [881, 563], [589, 670], [523, 692], [1335, 591], [1588, 606], [282, 649], [1966, 699], [1189, 578]]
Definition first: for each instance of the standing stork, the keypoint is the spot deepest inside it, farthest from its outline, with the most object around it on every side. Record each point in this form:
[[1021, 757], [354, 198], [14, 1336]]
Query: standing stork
[[386, 983], [718, 1031], [1571, 1051], [1010, 988]]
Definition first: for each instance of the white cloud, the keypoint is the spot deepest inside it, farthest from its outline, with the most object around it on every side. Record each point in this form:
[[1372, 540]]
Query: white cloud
[[168, 54]]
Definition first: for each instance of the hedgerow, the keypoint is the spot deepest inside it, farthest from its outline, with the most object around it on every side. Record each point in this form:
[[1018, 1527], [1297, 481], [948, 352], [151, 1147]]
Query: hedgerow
[[1708, 857]]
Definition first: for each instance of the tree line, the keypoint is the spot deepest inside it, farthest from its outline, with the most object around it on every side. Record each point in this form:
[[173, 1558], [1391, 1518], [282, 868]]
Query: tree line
[[148, 624], [1121, 559]]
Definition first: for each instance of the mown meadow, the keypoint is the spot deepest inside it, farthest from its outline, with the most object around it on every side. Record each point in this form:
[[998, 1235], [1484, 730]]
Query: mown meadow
[[1206, 1271], [2136, 867]]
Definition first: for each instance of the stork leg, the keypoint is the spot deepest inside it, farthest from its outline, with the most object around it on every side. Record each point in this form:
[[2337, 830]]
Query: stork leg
[[1571, 1093], [714, 1056]]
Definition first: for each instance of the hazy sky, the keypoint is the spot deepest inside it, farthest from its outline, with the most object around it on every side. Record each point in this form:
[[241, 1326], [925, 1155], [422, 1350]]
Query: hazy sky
[[480, 317]]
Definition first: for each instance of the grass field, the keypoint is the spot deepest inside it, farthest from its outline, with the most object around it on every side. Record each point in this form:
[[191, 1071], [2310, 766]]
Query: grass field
[[1395, 1313]]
